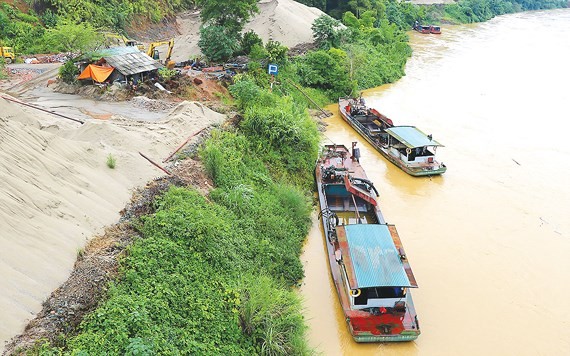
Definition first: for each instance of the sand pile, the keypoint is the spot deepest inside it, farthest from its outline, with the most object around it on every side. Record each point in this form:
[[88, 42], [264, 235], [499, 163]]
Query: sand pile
[[286, 21], [57, 192]]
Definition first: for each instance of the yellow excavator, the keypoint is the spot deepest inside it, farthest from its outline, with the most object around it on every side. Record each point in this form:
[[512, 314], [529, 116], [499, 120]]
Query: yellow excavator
[[152, 52], [8, 54]]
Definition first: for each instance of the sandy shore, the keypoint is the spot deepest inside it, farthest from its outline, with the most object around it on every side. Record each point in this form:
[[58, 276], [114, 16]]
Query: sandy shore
[[58, 192]]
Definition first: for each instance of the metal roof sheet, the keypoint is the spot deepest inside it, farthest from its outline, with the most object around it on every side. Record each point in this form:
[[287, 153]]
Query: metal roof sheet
[[133, 63], [411, 136], [112, 51], [375, 259]]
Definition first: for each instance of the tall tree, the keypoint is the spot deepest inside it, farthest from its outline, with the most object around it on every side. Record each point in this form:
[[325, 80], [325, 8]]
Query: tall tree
[[232, 15], [70, 37]]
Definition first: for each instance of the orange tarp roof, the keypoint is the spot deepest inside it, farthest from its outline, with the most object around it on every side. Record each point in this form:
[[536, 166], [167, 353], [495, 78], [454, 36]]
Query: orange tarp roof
[[97, 73]]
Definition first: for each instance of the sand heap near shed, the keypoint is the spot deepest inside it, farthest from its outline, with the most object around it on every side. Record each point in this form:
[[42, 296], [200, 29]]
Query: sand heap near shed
[[57, 192], [286, 21]]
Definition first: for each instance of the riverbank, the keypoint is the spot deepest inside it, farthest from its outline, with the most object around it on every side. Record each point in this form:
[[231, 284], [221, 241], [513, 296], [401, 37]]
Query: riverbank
[[57, 182], [236, 192]]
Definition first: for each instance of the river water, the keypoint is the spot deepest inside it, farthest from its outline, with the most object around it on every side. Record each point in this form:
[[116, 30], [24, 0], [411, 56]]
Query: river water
[[489, 241]]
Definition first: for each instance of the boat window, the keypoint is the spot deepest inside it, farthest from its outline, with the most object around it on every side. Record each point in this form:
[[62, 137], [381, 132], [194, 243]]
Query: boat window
[[379, 293]]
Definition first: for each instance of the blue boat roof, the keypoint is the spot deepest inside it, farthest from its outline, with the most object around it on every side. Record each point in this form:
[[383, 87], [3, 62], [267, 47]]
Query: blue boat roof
[[375, 259], [411, 136]]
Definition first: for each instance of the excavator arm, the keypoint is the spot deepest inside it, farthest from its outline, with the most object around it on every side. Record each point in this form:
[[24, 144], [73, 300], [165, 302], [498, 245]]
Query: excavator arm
[[153, 53]]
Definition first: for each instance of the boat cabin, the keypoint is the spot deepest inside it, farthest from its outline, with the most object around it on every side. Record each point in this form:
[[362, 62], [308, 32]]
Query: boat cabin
[[377, 273], [435, 30], [411, 145]]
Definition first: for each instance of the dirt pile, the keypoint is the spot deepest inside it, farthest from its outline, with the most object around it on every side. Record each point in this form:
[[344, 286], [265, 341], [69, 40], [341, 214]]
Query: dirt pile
[[58, 192], [286, 21], [151, 104]]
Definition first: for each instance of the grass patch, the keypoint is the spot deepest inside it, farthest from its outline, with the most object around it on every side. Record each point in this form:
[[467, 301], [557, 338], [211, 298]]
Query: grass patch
[[111, 161], [216, 275]]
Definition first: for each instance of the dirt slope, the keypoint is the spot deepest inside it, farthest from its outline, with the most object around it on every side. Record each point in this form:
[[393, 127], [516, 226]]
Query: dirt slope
[[57, 192]]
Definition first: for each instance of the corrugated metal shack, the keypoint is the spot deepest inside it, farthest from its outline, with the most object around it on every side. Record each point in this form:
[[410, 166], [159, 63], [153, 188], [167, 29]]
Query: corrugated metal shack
[[131, 65]]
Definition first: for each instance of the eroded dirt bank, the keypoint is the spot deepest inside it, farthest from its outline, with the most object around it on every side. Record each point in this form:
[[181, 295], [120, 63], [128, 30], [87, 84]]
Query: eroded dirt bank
[[58, 191]]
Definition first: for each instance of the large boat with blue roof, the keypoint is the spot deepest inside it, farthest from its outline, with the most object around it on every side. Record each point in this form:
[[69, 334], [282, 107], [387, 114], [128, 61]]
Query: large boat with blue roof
[[405, 146], [368, 263]]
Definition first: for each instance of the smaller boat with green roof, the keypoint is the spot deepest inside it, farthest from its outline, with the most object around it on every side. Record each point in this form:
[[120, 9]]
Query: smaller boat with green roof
[[405, 146]]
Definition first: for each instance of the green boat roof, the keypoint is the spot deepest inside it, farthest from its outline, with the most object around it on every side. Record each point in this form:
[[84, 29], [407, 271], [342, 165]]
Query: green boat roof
[[411, 136], [375, 259]]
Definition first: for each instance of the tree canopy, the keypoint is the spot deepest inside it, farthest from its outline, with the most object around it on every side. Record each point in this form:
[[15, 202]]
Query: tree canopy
[[232, 15]]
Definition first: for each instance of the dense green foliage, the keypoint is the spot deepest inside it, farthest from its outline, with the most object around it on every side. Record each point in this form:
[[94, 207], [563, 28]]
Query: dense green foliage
[[364, 53], [214, 275], [3, 74], [70, 37], [248, 40], [202, 280], [327, 32], [111, 13], [232, 15], [222, 23], [27, 35], [216, 43], [467, 11], [68, 72]]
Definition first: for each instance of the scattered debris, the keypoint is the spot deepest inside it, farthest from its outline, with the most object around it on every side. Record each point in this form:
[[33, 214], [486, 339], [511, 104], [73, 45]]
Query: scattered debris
[[49, 58], [155, 164], [152, 104]]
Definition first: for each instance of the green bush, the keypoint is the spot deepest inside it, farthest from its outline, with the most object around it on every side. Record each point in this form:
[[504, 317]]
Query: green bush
[[217, 44], [276, 53], [249, 94], [248, 40], [327, 32], [322, 69], [111, 161], [3, 74], [68, 72], [166, 74], [270, 314]]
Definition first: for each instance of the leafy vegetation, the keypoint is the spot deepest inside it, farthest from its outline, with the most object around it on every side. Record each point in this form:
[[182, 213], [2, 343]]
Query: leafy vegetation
[[248, 40], [468, 11], [3, 74], [68, 72], [222, 23], [231, 15], [327, 32], [166, 74], [217, 43], [111, 161], [214, 275], [363, 52]]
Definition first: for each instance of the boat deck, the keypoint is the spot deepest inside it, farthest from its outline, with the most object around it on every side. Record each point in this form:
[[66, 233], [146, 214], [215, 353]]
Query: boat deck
[[343, 160]]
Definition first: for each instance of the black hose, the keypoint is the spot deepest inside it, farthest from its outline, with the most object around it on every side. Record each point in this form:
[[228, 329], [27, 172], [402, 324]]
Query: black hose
[[369, 184]]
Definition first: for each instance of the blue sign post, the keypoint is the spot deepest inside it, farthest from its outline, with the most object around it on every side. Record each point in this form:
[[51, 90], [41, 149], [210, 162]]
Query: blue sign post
[[272, 69]]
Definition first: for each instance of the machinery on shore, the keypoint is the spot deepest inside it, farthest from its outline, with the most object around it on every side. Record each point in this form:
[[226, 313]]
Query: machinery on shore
[[8, 54], [153, 52]]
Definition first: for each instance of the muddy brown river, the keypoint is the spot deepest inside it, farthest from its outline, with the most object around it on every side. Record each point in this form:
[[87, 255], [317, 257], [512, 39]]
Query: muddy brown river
[[489, 241]]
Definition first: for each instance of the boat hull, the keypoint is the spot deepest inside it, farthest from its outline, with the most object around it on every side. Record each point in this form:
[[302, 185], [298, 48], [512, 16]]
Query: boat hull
[[364, 326], [416, 171]]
